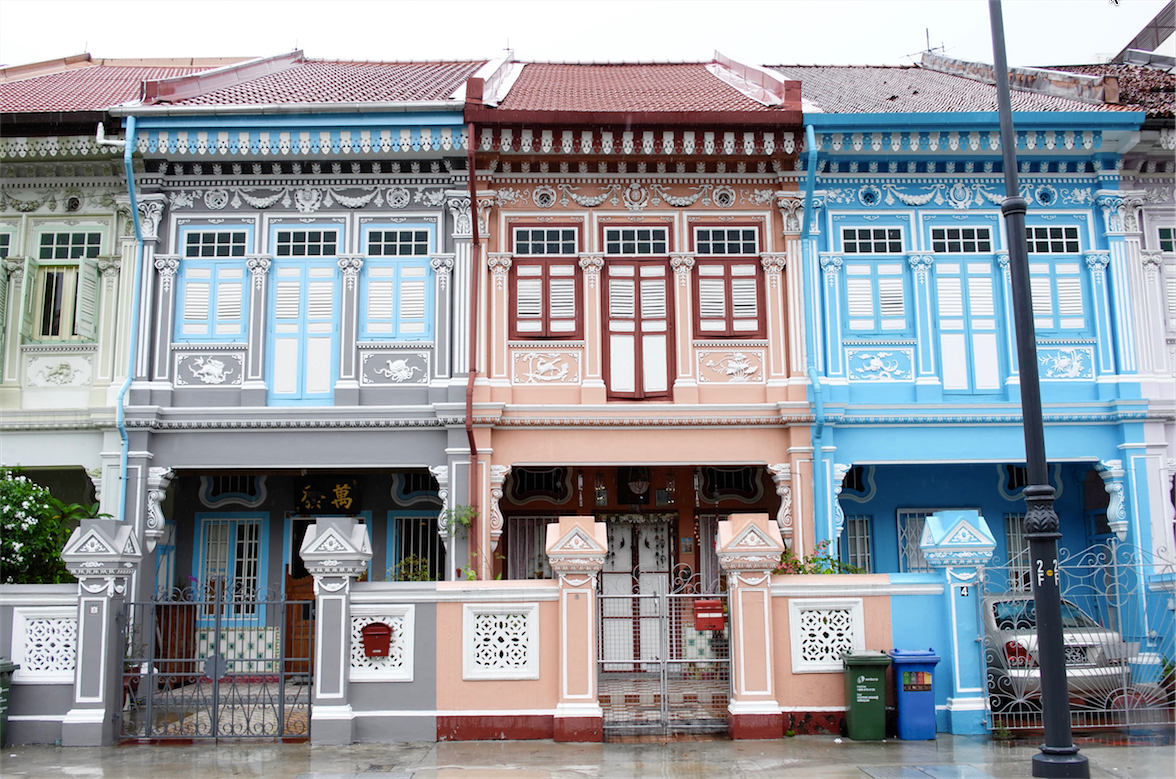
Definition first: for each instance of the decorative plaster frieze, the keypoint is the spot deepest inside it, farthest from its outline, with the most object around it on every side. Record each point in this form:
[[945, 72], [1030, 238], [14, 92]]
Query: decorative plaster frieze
[[545, 367], [731, 367], [215, 369], [383, 368]]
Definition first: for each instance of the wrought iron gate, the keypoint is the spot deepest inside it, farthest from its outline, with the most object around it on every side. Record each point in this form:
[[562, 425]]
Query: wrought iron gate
[[1119, 634], [657, 671], [217, 662]]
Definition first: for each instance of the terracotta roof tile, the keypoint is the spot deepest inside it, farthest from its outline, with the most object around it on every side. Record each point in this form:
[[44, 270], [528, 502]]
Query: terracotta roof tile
[[856, 89], [1140, 87], [624, 87], [324, 81], [90, 88]]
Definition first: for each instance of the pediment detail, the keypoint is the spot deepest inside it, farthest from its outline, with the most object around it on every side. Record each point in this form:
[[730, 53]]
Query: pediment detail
[[577, 542]]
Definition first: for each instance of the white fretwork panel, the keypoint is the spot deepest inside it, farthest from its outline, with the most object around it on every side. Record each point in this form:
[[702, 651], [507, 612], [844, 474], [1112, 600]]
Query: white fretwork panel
[[398, 665], [823, 628], [44, 644], [500, 641]]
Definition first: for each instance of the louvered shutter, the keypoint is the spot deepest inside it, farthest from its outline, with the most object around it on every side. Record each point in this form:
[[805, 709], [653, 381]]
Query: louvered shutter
[[860, 303], [197, 300], [622, 310], [381, 282], [1069, 293], [230, 292], [562, 298], [413, 300], [712, 298], [951, 299], [85, 324], [891, 306], [1170, 287], [745, 298], [28, 298], [1041, 292], [529, 299]]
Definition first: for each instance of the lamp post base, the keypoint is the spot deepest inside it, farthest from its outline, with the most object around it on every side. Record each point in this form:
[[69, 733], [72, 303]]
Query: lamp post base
[[1061, 763]]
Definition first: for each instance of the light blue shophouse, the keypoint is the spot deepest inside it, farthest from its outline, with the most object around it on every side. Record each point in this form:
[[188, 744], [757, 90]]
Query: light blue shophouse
[[912, 357]]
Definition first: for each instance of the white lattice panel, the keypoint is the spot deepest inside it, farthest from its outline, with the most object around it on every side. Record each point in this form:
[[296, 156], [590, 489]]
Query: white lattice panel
[[398, 665], [821, 630], [501, 641], [44, 644]]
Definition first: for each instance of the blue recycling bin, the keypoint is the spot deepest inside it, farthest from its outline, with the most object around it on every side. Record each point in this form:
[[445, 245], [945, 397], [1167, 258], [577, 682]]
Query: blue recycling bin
[[914, 692]]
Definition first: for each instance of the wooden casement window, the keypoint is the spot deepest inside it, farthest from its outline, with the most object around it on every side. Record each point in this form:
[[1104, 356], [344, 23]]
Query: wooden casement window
[[727, 283], [213, 286], [397, 296], [1055, 279], [875, 286], [545, 283], [639, 309], [62, 304]]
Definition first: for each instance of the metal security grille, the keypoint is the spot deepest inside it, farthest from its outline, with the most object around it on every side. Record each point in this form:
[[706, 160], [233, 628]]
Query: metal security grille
[[1118, 631], [659, 673], [217, 662]]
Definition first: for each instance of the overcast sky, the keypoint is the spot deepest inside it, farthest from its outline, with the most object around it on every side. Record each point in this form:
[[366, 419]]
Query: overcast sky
[[1038, 32]]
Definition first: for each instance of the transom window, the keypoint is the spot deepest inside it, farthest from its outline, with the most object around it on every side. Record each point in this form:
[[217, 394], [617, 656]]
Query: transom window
[[214, 244], [1167, 236], [733, 240], [533, 241], [871, 240], [1052, 240], [306, 243], [636, 240], [70, 246], [397, 243], [5, 243], [961, 240]]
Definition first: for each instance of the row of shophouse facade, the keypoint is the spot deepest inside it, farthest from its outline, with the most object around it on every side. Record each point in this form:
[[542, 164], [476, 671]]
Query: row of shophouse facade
[[699, 302]]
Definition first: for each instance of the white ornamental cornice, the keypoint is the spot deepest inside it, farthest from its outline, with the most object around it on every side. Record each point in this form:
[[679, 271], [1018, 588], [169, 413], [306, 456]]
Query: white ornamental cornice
[[55, 147]]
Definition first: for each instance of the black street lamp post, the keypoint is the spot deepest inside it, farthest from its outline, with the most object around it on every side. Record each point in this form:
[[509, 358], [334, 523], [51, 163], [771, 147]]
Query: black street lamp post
[[1058, 756]]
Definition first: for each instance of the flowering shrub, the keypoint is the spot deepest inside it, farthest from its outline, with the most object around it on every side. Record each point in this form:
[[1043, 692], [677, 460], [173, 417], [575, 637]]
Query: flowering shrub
[[820, 561], [33, 531]]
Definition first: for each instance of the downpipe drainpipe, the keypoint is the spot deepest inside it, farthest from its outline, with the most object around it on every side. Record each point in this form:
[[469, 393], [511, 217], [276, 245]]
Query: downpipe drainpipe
[[818, 428], [475, 270], [120, 414]]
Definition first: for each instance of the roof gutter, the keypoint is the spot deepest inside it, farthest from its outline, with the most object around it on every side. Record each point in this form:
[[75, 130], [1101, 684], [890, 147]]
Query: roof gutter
[[120, 410], [351, 107]]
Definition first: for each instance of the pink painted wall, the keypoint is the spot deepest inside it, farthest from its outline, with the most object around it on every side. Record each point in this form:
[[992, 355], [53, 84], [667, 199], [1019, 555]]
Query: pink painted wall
[[824, 689], [456, 694]]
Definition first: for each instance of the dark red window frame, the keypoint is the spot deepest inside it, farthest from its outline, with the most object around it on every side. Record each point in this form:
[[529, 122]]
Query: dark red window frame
[[727, 262], [545, 330]]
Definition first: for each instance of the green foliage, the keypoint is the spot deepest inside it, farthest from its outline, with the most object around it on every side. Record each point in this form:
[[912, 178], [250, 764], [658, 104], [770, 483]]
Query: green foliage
[[458, 519], [411, 569], [34, 527], [820, 561]]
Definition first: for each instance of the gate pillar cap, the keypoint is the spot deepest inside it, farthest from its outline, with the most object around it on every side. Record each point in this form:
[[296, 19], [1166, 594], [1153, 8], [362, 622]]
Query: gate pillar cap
[[336, 546], [102, 548], [749, 542], [956, 538], [577, 544]]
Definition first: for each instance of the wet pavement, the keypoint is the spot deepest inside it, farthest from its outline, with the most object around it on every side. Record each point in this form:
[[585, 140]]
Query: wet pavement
[[1147, 755]]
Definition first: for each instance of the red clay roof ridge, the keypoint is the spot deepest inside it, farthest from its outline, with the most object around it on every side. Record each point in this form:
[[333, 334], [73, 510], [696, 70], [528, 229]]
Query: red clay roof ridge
[[44, 67]]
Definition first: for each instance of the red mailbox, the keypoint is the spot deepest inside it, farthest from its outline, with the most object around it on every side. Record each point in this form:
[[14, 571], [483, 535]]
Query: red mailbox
[[377, 638], [708, 615]]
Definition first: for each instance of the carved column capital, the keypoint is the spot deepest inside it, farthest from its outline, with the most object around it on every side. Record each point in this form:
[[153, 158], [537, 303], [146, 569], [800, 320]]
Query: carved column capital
[[792, 210], [167, 265], [920, 264], [682, 263], [1097, 261], [441, 474], [831, 263], [442, 265], [258, 265], [782, 478], [1111, 472], [1152, 260], [591, 264], [459, 208], [350, 265]]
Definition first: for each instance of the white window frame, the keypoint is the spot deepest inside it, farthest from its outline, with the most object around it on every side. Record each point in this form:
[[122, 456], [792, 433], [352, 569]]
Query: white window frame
[[79, 277], [470, 671], [641, 245], [225, 279], [857, 542], [948, 242], [388, 314]]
